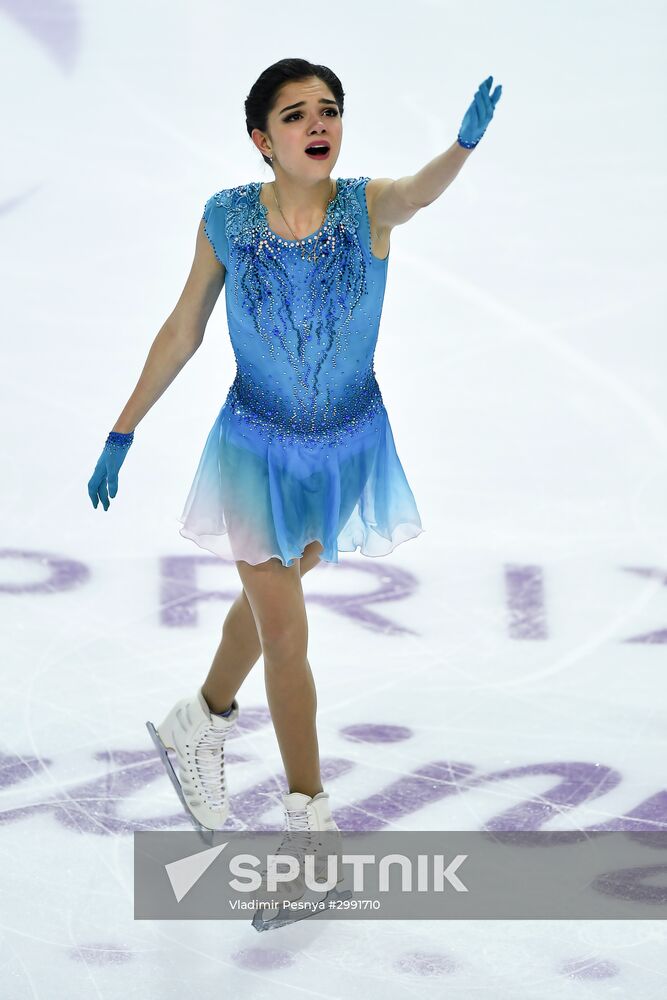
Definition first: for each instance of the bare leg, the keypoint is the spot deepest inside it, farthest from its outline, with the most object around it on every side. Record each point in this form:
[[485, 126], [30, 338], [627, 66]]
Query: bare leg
[[292, 698], [240, 647], [235, 657], [276, 597]]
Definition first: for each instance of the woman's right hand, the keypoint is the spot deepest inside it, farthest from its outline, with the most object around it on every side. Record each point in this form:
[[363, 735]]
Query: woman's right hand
[[104, 481]]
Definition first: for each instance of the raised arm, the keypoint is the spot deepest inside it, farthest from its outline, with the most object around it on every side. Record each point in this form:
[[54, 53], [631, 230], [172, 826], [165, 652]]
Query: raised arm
[[393, 202]]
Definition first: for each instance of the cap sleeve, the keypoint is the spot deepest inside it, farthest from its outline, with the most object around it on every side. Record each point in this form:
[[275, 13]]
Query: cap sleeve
[[215, 225]]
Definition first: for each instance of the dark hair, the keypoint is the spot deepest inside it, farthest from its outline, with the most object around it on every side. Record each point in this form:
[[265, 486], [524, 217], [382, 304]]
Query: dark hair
[[264, 91]]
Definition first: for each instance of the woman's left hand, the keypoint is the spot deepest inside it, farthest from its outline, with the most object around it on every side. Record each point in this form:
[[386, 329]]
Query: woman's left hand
[[479, 114]]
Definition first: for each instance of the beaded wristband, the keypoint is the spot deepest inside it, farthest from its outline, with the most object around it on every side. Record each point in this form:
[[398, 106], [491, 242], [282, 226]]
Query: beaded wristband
[[465, 143], [118, 440]]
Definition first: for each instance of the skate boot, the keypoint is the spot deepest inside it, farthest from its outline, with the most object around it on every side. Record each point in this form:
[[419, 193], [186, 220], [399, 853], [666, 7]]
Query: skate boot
[[197, 738], [306, 820]]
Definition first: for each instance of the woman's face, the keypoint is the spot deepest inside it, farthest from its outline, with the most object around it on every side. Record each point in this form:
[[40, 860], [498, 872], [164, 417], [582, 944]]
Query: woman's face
[[292, 129]]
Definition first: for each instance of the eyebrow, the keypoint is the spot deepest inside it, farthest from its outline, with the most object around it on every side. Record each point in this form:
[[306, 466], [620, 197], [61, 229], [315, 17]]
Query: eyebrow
[[323, 100]]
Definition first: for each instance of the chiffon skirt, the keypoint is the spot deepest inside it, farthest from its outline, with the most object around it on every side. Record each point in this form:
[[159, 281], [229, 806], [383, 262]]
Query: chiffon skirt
[[254, 499]]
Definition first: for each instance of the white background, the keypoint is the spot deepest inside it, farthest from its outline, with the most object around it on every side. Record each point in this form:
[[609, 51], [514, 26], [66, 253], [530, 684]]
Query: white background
[[522, 363]]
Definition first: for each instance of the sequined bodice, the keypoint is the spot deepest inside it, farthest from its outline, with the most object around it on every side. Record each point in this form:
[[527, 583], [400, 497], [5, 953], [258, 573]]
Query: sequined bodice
[[303, 332]]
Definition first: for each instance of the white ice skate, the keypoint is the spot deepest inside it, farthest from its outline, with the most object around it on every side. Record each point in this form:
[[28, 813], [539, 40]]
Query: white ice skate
[[197, 738], [306, 819]]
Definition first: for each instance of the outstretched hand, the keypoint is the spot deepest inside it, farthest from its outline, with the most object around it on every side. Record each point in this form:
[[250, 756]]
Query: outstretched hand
[[479, 114], [104, 481]]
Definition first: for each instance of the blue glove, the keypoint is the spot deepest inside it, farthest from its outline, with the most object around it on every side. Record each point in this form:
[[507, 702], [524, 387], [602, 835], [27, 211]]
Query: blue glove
[[479, 114], [106, 471]]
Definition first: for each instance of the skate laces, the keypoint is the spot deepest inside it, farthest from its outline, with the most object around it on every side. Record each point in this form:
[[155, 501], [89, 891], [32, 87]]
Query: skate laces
[[297, 840], [209, 761], [298, 836], [297, 819]]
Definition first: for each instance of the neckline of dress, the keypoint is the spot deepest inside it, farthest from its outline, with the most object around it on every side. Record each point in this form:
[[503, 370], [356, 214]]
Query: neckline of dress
[[264, 210]]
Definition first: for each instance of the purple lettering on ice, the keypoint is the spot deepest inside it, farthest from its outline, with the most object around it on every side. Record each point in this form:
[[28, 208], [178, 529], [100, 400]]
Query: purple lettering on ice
[[524, 590], [53, 573], [651, 573], [60, 35], [93, 806], [180, 593]]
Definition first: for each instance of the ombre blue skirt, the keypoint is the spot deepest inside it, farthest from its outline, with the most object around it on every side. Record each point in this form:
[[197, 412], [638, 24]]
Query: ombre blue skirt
[[254, 499]]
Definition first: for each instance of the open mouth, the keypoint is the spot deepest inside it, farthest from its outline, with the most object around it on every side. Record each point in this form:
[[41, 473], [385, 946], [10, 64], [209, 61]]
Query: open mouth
[[317, 151]]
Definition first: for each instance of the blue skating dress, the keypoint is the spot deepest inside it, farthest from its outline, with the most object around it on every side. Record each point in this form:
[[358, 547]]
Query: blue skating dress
[[302, 448]]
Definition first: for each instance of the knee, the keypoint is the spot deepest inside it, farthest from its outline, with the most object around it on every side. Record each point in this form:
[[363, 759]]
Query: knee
[[283, 642]]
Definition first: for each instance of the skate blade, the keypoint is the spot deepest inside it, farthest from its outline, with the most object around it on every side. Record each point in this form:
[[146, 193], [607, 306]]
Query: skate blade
[[270, 919], [203, 831]]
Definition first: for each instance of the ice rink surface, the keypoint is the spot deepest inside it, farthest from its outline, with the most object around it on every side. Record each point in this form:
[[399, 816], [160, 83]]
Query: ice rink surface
[[521, 639]]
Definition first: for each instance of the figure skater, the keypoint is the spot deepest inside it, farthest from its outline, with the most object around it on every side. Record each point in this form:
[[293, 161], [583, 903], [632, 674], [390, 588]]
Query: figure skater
[[300, 463]]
